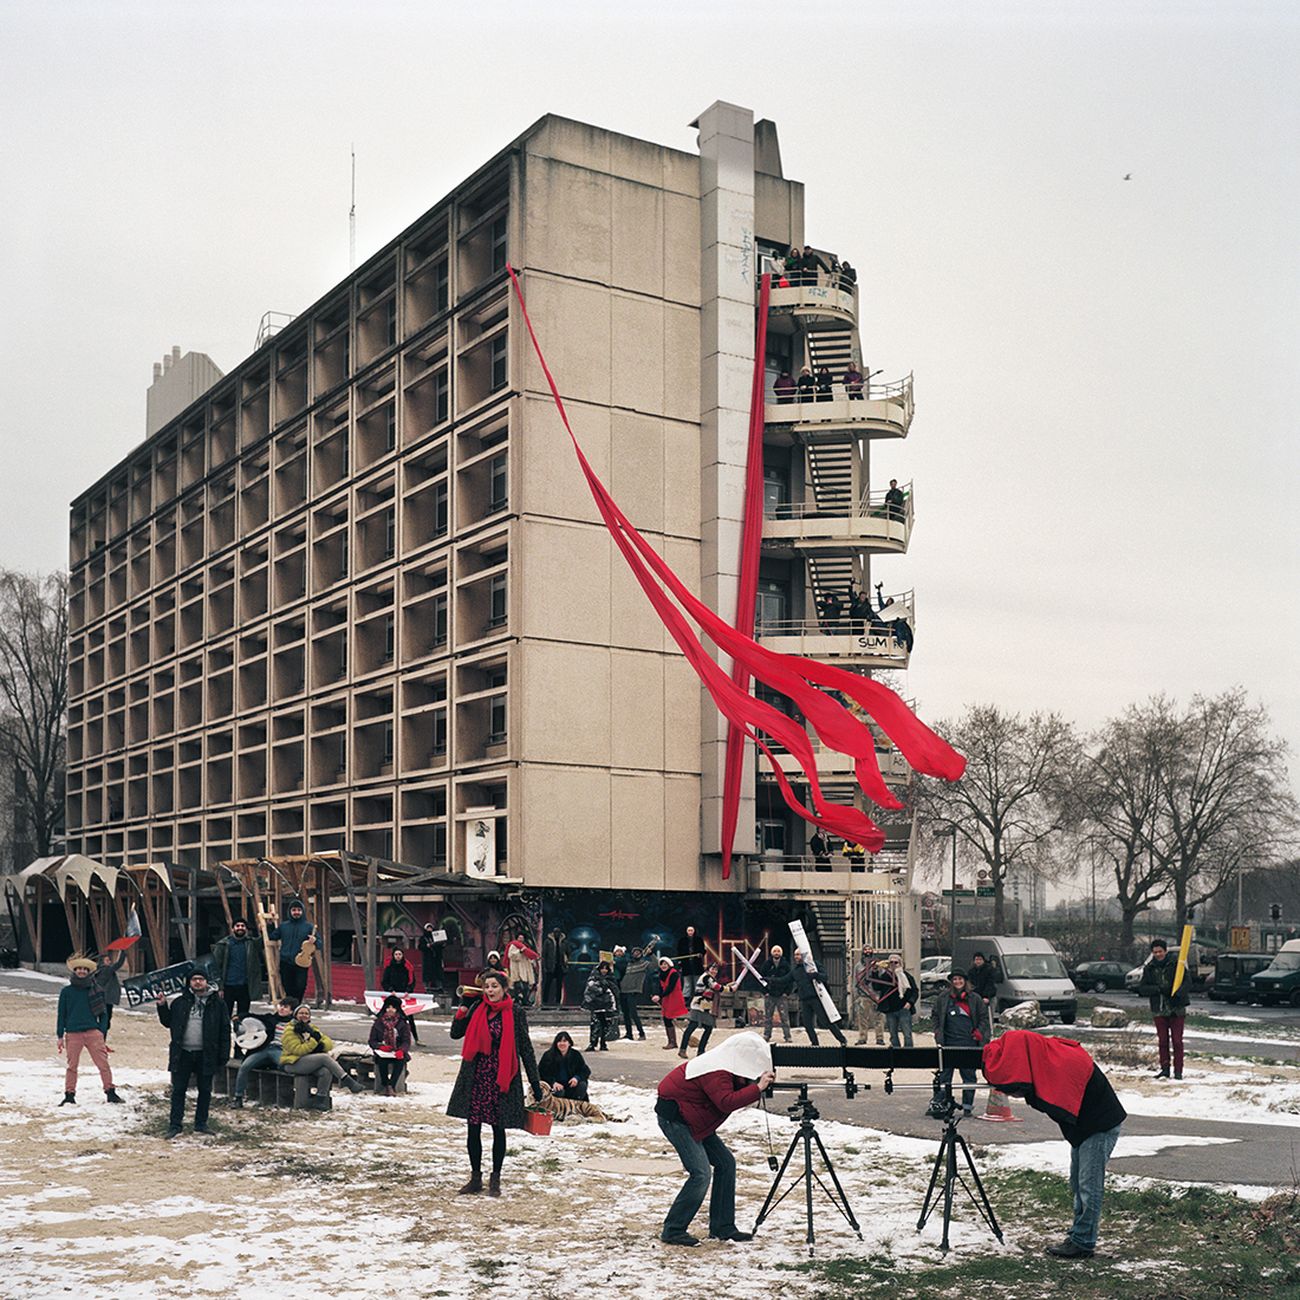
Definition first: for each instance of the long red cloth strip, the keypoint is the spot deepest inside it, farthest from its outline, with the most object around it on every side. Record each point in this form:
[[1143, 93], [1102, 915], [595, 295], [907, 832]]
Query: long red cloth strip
[[833, 723], [751, 539]]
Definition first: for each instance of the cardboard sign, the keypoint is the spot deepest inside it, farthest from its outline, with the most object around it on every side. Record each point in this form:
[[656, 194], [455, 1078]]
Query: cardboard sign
[[168, 979]]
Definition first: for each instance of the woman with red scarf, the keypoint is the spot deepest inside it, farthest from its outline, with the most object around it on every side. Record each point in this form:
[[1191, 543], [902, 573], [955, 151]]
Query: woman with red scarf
[[961, 1019], [669, 1000], [489, 1089]]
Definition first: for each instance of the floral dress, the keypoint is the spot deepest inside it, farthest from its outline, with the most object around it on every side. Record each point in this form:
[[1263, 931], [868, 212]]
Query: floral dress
[[485, 1094]]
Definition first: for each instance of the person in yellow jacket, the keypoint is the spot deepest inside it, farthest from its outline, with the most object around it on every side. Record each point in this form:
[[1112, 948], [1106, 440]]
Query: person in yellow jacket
[[306, 1050]]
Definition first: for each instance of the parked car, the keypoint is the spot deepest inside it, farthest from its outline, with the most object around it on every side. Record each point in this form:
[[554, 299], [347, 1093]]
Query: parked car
[[1233, 972], [1280, 982], [1134, 978], [1099, 975], [933, 974], [1028, 969]]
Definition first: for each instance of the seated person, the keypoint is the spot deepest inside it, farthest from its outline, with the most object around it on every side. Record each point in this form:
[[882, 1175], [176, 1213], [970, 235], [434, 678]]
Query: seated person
[[304, 1049], [390, 1041], [563, 1067], [266, 1057]]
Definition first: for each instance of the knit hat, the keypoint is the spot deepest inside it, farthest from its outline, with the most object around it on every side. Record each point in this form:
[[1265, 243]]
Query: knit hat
[[80, 962], [302, 1006]]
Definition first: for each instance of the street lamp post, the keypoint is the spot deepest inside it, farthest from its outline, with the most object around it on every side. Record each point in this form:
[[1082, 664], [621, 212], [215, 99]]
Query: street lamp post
[[953, 928]]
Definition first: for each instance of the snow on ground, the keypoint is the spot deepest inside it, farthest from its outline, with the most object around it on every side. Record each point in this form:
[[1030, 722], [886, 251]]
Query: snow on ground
[[1250, 1095]]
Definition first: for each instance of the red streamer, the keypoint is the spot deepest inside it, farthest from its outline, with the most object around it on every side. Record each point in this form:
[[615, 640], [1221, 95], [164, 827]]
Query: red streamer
[[793, 676]]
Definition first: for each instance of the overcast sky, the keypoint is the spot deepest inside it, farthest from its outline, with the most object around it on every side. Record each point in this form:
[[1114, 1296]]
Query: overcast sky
[[1104, 452]]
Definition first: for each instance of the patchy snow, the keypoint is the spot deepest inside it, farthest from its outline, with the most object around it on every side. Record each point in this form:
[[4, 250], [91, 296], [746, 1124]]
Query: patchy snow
[[1254, 1097], [10, 1038]]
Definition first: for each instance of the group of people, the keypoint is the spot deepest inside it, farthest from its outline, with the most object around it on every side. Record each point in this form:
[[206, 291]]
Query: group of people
[[803, 266], [819, 385], [884, 998], [854, 613]]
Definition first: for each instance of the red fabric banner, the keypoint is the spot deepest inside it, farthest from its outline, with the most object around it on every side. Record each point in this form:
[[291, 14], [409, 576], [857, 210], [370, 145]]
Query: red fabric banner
[[834, 724], [751, 539]]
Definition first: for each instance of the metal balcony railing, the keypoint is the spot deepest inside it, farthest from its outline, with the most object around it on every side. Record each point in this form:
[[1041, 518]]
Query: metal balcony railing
[[871, 505]]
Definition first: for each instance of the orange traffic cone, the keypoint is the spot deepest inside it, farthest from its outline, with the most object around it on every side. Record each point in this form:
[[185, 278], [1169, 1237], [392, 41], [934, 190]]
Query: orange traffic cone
[[998, 1110]]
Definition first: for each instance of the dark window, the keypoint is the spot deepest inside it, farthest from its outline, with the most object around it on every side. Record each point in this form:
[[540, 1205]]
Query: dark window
[[497, 601], [439, 746], [440, 284], [388, 742], [390, 533], [498, 350], [499, 228], [440, 620], [497, 720], [390, 638], [390, 427], [441, 397], [498, 483], [440, 509], [392, 321]]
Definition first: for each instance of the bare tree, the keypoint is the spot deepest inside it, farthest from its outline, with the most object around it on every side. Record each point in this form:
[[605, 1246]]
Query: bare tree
[[1223, 800], [1118, 802], [33, 699], [1011, 803]]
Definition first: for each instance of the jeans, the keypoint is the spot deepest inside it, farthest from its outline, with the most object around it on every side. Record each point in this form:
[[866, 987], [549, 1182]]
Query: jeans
[[776, 1003], [1170, 1029], [1088, 1182], [326, 1069], [967, 1076], [255, 1061], [631, 1016], [700, 1160], [190, 1065], [92, 1041], [896, 1021]]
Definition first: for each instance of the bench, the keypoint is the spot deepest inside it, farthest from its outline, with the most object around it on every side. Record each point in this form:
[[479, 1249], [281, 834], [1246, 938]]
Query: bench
[[267, 1087]]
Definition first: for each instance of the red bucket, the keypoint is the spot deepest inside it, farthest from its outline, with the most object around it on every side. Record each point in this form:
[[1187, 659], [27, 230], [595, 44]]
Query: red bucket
[[537, 1121]]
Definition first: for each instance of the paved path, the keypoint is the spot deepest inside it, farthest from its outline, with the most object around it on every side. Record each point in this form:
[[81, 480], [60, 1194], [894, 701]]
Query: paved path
[[1257, 1154]]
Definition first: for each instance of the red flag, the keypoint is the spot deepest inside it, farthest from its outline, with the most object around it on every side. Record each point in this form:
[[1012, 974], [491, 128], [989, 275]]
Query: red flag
[[119, 945]]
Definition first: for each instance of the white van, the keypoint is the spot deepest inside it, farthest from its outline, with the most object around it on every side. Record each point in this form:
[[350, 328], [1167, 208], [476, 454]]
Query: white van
[[1027, 969]]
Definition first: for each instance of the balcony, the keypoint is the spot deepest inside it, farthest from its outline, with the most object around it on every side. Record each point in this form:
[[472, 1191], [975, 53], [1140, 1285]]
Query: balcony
[[795, 876], [871, 524], [883, 410], [816, 293], [836, 769], [847, 642]]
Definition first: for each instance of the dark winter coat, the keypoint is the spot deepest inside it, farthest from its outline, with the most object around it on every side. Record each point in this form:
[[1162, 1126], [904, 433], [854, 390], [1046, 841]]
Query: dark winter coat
[[558, 1068], [601, 995], [778, 976], [75, 1015], [805, 984], [398, 978], [981, 1023], [430, 957], [292, 935], [216, 1029], [512, 1101], [632, 984], [253, 963], [1099, 1111], [555, 956], [401, 1032], [893, 1001], [106, 978], [691, 960], [983, 980], [1158, 983]]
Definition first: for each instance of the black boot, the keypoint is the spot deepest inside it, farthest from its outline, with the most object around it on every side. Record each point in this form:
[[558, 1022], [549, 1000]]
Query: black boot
[[1163, 1072], [110, 1095], [69, 1099]]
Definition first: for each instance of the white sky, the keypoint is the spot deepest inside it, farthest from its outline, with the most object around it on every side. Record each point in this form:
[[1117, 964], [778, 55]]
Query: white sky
[[1106, 377]]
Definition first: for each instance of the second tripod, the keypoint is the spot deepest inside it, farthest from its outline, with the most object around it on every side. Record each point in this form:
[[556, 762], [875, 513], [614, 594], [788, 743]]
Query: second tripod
[[807, 1114], [953, 1176]]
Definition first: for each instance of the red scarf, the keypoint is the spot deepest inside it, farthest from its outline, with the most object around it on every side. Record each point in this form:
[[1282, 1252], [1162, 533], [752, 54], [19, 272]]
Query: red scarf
[[963, 1001], [478, 1038], [1057, 1069]]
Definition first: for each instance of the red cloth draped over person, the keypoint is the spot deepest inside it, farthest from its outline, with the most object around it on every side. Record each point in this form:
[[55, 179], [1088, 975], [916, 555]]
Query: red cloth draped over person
[[795, 677]]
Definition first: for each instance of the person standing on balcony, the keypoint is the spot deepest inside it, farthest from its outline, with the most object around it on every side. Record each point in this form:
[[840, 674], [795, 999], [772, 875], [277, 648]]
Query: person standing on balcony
[[831, 612], [824, 382], [784, 388], [852, 381], [895, 503], [805, 386], [848, 276], [821, 850]]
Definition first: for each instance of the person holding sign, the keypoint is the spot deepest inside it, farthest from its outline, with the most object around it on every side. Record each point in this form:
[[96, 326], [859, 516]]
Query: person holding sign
[[82, 1020], [1168, 999], [390, 1041], [200, 1046]]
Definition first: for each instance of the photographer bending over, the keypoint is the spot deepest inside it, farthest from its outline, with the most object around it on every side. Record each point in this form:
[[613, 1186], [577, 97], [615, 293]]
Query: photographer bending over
[[694, 1101], [1056, 1076]]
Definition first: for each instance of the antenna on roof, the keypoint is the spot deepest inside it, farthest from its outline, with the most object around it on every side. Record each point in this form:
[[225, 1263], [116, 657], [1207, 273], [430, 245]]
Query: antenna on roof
[[352, 217]]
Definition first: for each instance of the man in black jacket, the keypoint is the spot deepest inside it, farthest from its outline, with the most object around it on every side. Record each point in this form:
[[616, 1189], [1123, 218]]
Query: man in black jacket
[[982, 977], [200, 1046], [431, 960], [806, 984], [1168, 1009], [691, 961], [775, 972]]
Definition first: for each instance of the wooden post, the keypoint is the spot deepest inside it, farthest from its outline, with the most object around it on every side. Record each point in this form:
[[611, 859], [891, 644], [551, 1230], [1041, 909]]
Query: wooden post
[[269, 955], [372, 922]]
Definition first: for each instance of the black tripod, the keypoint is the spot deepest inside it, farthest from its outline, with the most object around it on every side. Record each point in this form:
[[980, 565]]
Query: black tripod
[[806, 1113], [946, 1158]]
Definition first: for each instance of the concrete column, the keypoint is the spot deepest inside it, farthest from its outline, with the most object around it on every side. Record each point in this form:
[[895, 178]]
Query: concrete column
[[728, 275]]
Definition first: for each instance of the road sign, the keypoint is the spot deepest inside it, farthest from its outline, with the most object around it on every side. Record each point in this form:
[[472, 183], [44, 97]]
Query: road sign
[[1240, 938], [961, 893], [986, 891]]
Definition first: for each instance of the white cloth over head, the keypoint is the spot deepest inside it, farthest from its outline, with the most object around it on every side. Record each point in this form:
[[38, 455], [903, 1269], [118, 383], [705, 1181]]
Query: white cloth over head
[[746, 1054]]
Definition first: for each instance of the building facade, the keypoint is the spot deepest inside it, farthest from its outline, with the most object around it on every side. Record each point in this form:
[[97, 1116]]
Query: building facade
[[357, 595]]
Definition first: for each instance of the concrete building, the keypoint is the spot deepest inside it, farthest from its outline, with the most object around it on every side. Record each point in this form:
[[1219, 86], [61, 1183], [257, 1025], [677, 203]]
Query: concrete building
[[357, 595]]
